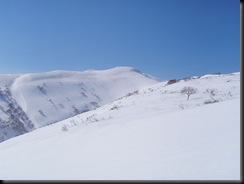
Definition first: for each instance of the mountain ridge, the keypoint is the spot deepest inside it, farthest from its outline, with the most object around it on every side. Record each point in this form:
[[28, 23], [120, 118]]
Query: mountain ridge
[[49, 97]]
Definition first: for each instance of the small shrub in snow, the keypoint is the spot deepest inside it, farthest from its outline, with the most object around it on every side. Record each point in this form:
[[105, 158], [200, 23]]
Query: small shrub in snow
[[186, 78], [115, 107], [42, 113], [42, 89], [64, 128], [97, 96], [83, 94], [164, 92], [67, 98], [75, 110], [72, 122], [95, 104], [91, 118], [181, 106], [61, 105], [210, 101], [133, 93], [230, 94], [212, 93], [172, 81]]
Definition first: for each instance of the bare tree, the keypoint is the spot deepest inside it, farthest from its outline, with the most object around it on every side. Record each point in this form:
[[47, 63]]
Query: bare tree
[[188, 91]]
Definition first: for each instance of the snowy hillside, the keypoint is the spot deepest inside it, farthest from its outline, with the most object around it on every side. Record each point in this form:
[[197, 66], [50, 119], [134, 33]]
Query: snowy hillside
[[149, 133], [31, 101]]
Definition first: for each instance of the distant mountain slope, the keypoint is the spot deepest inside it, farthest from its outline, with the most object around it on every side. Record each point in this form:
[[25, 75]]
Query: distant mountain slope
[[153, 133], [164, 97], [41, 99]]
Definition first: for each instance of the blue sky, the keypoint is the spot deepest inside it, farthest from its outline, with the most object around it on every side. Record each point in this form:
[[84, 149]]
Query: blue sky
[[164, 38]]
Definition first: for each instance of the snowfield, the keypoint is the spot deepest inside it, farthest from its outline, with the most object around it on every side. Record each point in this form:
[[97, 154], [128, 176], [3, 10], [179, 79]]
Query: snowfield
[[195, 144], [150, 133]]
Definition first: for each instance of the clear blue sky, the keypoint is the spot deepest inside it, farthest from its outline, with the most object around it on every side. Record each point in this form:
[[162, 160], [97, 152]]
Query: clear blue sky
[[164, 38]]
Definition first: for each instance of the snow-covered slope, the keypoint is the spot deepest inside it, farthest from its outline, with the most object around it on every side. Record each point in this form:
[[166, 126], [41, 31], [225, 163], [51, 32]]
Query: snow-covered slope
[[153, 133], [31, 101]]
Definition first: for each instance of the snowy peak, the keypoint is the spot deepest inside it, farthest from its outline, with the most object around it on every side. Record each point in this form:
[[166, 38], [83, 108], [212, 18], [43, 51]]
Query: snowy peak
[[64, 74], [46, 98]]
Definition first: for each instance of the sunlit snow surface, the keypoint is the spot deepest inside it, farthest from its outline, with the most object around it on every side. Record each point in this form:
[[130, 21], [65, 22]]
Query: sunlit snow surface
[[50, 97], [150, 134]]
